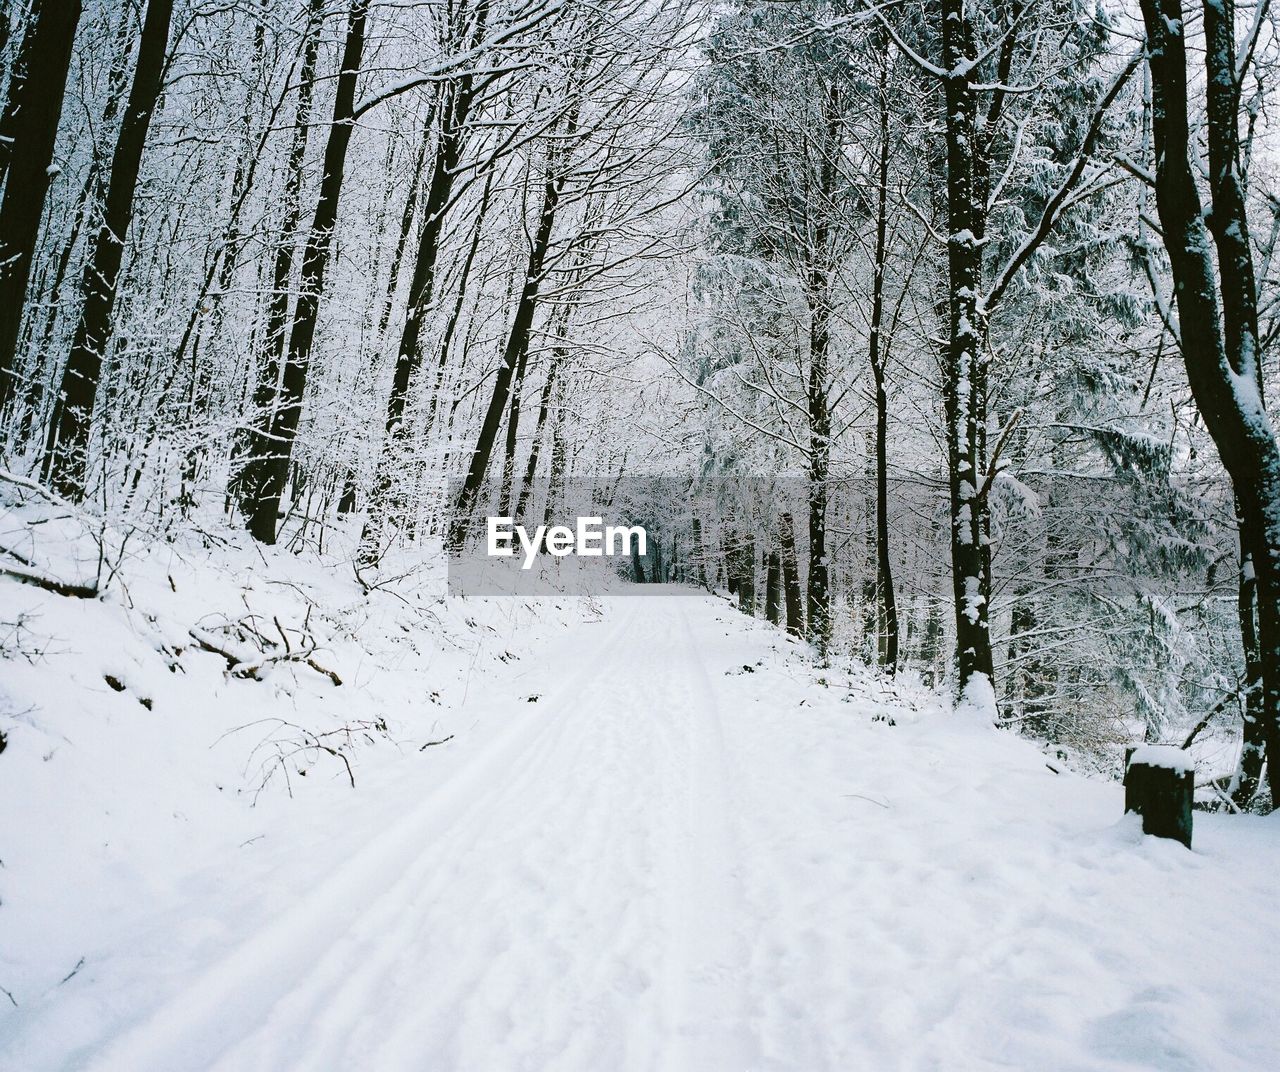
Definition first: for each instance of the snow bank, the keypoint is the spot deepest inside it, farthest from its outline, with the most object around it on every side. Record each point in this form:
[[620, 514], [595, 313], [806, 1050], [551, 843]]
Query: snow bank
[[166, 741]]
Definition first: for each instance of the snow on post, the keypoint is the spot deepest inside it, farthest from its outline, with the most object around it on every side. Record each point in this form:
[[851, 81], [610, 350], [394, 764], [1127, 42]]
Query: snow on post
[[1159, 783]]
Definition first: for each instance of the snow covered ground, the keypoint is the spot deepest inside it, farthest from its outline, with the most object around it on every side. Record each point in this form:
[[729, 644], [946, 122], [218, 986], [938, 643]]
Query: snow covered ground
[[660, 838]]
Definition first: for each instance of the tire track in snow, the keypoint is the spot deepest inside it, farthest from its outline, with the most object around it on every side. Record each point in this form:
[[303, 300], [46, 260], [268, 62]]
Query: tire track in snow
[[712, 1028], [237, 995]]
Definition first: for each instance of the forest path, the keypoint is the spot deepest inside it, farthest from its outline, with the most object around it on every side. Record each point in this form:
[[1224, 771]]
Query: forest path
[[691, 855], [568, 899]]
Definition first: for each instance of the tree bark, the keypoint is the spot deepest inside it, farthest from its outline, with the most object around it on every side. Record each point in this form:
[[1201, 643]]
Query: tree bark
[[28, 130], [66, 447], [791, 577], [1219, 341], [878, 346], [454, 107], [263, 513], [964, 360], [544, 409], [773, 589], [1253, 745], [513, 353], [255, 446]]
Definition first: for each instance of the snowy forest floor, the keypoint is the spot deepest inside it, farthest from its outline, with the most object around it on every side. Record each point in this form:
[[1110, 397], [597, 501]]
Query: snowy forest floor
[[658, 838]]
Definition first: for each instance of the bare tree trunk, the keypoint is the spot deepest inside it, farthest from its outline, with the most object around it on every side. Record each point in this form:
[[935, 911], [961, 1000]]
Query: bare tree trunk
[[66, 447], [1219, 343], [878, 345], [263, 514], [559, 463], [86, 207], [773, 589], [1253, 747], [819, 404], [507, 490], [406, 222], [964, 361], [454, 110], [531, 466], [254, 447], [791, 577], [696, 555], [513, 354], [28, 130], [747, 575], [819, 596]]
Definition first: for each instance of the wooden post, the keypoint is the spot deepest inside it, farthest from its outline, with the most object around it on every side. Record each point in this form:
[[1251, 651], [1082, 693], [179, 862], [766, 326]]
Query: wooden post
[[1159, 784]]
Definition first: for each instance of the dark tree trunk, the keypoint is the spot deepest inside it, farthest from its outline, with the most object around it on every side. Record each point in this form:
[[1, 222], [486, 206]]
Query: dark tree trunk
[[697, 556], [559, 463], [791, 577], [773, 589], [66, 448], [729, 556], [263, 513], [964, 360], [879, 355], [255, 446], [454, 108], [544, 409], [28, 130], [1219, 342], [819, 412], [818, 589], [1253, 746], [513, 354], [86, 205], [347, 503], [508, 490], [747, 576], [870, 592], [406, 223]]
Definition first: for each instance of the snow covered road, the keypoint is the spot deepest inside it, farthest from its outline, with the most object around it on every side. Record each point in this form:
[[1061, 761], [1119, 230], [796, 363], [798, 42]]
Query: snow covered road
[[692, 855]]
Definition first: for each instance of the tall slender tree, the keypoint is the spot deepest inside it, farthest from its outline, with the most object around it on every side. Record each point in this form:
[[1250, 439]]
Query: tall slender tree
[[28, 129], [268, 471], [254, 443], [457, 96], [1216, 299], [67, 442]]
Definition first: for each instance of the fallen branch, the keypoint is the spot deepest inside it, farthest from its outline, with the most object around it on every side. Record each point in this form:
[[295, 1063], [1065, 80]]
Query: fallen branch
[[242, 666], [49, 584]]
